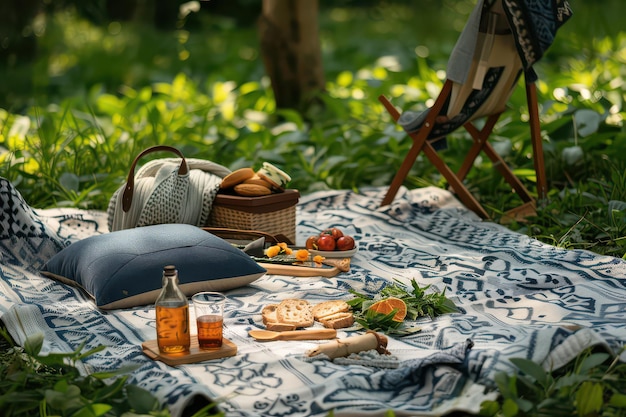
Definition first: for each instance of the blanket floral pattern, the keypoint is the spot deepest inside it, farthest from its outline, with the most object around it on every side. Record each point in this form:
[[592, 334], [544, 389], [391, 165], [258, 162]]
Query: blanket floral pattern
[[517, 298]]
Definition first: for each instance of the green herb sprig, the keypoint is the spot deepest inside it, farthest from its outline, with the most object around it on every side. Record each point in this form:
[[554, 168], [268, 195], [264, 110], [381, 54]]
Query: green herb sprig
[[419, 303]]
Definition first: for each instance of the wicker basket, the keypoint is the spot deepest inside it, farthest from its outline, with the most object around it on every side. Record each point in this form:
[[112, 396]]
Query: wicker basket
[[274, 214]]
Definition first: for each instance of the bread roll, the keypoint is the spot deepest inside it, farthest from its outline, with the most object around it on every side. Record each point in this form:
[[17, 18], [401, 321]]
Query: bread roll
[[295, 311], [338, 320], [252, 190], [327, 308], [236, 177]]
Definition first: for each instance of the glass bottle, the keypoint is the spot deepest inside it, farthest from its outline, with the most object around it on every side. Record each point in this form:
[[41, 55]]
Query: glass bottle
[[172, 315]]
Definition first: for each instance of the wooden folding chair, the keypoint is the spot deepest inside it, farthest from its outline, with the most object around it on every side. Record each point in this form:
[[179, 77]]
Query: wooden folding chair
[[491, 78]]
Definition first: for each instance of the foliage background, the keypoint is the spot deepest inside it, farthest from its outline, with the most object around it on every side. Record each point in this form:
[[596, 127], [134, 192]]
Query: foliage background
[[99, 85]]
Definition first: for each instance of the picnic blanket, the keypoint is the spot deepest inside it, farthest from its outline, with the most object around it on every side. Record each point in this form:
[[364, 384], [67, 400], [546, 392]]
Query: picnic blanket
[[517, 298]]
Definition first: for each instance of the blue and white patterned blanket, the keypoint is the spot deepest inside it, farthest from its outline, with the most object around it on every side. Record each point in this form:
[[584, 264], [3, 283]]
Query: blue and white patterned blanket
[[517, 296]]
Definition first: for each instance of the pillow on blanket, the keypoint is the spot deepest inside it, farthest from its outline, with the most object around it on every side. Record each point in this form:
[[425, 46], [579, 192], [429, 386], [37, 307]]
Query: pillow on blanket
[[124, 269]]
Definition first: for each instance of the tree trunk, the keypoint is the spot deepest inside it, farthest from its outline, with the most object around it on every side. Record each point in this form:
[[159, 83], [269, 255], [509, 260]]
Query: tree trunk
[[290, 47]]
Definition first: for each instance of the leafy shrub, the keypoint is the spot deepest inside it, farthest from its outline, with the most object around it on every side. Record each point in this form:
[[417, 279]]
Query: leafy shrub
[[33, 384], [203, 91], [592, 385]]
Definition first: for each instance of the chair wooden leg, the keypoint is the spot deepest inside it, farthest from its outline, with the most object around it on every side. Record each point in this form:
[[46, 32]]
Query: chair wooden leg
[[535, 135], [481, 143], [505, 171], [419, 138], [409, 159], [519, 213], [403, 172], [480, 138], [454, 182]]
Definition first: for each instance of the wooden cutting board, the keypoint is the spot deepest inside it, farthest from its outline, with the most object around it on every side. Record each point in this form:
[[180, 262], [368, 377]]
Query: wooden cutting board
[[330, 268], [300, 271], [151, 350]]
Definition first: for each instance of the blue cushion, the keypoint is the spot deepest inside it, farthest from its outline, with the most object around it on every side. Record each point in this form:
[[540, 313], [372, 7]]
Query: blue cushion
[[123, 269]]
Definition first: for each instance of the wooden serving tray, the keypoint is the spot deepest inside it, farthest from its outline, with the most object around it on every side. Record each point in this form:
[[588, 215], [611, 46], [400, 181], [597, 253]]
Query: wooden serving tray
[[151, 350]]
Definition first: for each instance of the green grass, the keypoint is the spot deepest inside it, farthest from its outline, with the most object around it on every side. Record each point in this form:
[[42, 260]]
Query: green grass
[[46, 385], [97, 95], [591, 385]]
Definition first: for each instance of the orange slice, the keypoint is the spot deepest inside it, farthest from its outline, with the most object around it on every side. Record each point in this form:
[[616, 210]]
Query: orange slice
[[388, 305]]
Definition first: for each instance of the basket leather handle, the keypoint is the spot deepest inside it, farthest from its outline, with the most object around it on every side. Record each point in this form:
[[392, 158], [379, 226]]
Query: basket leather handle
[[127, 196]]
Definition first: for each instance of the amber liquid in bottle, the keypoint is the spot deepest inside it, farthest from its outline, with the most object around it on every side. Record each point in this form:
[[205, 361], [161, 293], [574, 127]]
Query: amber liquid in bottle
[[172, 316], [173, 329]]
